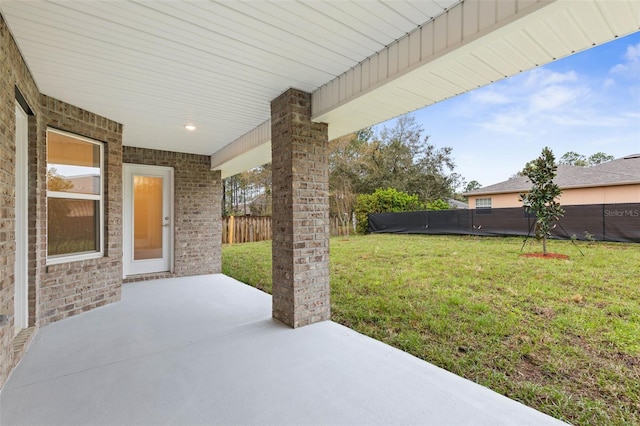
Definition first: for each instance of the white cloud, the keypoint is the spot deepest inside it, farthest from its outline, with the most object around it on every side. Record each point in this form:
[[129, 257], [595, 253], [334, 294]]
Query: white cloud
[[513, 122], [581, 106], [630, 68], [541, 77], [632, 115], [633, 53], [585, 119], [554, 98], [537, 99]]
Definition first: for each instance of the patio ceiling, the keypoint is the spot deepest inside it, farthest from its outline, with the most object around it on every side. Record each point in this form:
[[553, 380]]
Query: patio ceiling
[[156, 66]]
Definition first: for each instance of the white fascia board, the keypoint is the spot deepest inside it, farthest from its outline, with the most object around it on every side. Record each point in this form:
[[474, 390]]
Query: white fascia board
[[250, 150], [451, 33]]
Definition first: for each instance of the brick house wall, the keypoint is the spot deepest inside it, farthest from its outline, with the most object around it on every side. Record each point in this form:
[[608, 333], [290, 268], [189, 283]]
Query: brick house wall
[[54, 291], [62, 290], [71, 288], [197, 210], [14, 74]]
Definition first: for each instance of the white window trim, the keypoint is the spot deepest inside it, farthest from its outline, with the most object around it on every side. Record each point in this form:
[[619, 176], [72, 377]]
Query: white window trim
[[483, 199], [67, 258]]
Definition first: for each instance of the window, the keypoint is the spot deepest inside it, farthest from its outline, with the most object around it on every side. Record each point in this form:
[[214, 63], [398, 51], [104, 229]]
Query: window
[[483, 203], [483, 206], [74, 197]]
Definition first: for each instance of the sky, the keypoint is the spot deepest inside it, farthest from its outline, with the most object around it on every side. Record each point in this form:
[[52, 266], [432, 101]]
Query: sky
[[588, 102]]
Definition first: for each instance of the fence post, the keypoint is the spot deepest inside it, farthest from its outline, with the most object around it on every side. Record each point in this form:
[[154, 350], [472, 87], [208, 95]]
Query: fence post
[[604, 225], [231, 226]]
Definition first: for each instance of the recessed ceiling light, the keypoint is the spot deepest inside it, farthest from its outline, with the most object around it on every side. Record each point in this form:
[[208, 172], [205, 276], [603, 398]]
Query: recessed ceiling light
[[190, 127]]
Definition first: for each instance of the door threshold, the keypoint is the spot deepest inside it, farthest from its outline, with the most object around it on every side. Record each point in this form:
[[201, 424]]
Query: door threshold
[[147, 277]]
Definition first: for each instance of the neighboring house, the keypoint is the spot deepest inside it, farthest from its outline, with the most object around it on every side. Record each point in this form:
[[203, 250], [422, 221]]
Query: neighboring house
[[614, 182], [455, 204]]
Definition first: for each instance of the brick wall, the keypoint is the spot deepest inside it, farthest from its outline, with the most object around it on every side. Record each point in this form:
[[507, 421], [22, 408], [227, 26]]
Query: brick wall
[[71, 288], [197, 204], [13, 74], [58, 291], [55, 291], [300, 211]]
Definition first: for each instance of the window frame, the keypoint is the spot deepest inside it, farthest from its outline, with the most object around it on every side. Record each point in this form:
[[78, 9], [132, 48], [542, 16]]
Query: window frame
[[484, 199], [99, 253]]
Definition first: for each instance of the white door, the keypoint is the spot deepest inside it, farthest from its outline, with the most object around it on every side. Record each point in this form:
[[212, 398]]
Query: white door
[[148, 219], [21, 313]]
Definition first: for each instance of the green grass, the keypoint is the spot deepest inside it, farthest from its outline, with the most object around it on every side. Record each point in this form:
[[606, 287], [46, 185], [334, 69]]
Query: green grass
[[562, 336]]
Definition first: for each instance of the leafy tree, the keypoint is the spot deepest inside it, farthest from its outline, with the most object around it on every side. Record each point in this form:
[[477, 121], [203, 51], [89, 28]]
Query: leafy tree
[[258, 181], [400, 157], [541, 199], [572, 158], [516, 175], [346, 170], [599, 158], [342, 200], [57, 182], [384, 201], [474, 184], [248, 192]]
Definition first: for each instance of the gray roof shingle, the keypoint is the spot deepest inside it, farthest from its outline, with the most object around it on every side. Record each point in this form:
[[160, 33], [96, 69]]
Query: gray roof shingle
[[622, 171]]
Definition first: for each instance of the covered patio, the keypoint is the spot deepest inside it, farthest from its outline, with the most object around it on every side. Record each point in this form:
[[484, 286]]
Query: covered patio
[[205, 350], [183, 94]]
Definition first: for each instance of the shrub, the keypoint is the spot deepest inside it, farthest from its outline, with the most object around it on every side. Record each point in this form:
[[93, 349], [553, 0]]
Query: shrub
[[438, 205], [383, 201]]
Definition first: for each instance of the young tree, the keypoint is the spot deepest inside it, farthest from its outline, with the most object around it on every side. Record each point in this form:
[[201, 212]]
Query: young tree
[[541, 199]]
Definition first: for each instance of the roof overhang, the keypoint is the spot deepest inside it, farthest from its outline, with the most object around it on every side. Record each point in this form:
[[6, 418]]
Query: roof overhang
[[156, 66], [473, 44]]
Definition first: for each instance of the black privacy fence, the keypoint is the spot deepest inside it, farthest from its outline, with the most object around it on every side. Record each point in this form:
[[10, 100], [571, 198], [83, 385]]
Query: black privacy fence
[[600, 222]]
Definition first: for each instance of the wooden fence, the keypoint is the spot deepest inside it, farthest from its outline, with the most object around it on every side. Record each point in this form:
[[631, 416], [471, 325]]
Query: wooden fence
[[246, 229]]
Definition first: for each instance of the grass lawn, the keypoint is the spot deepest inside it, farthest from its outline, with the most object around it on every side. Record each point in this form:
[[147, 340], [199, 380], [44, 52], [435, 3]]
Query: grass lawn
[[562, 336]]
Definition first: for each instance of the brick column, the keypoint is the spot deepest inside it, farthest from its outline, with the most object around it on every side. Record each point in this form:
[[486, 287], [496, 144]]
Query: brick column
[[300, 248]]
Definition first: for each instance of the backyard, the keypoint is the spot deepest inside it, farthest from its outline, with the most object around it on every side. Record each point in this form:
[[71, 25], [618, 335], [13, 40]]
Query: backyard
[[562, 336]]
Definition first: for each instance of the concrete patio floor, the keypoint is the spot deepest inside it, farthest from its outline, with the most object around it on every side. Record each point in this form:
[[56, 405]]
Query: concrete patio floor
[[204, 350]]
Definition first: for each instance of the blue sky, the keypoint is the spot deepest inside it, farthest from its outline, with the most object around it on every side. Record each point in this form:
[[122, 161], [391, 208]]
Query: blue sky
[[587, 103]]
